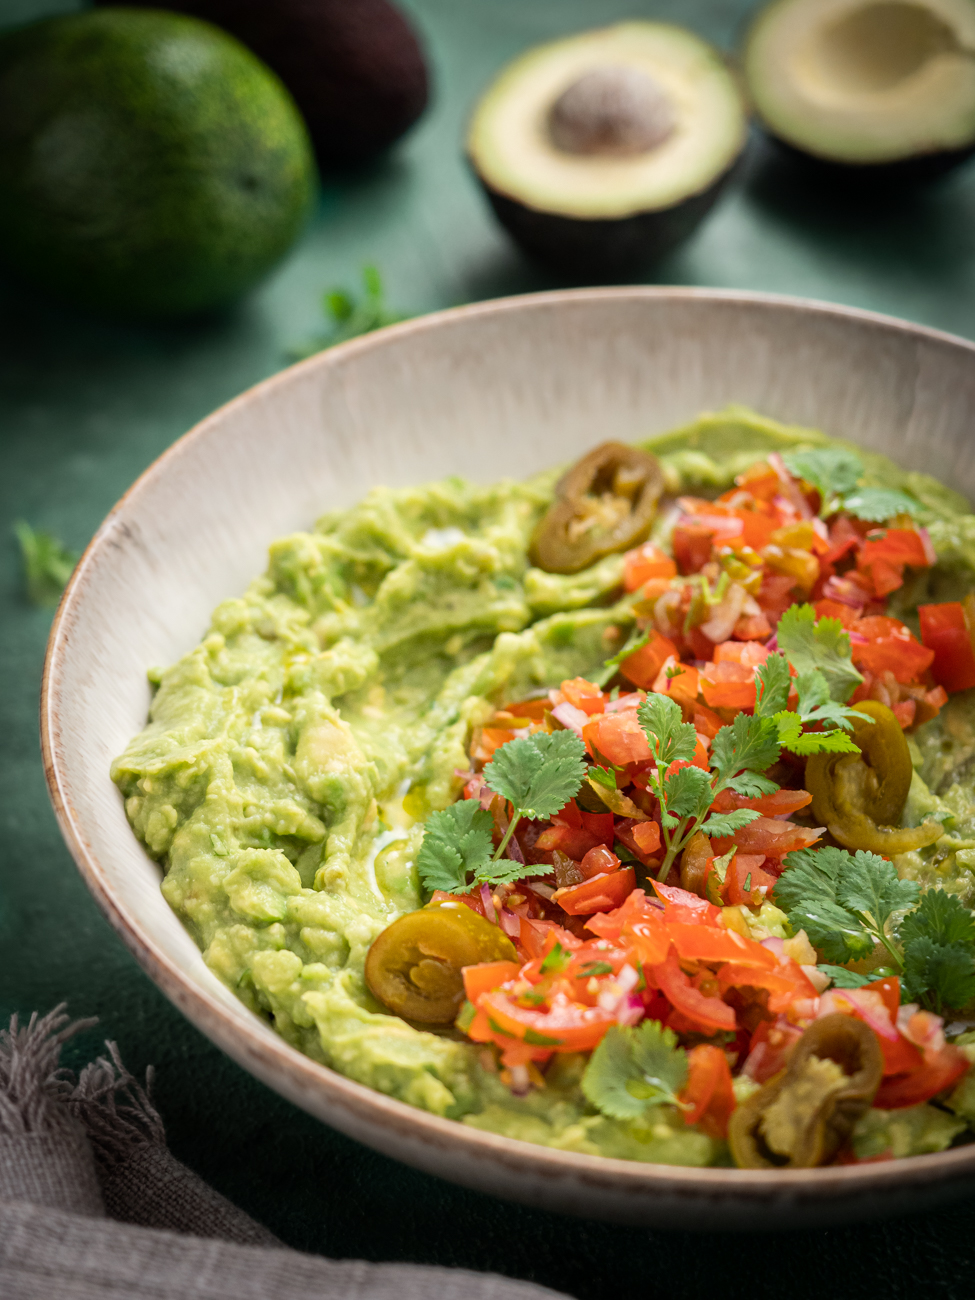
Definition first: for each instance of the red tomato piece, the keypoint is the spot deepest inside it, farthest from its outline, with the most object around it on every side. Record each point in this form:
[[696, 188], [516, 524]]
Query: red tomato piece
[[647, 836], [574, 843], [737, 652], [492, 738], [708, 1092], [895, 546], [836, 609], [781, 804], [786, 984], [600, 894], [768, 835], [890, 646], [473, 901], [586, 696], [692, 546], [646, 561], [679, 681], [728, 685], [488, 975], [945, 630], [706, 721], [682, 905], [537, 937], [760, 480], [643, 665], [715, 943], [566, 1027], [618, 737], [745, 880], [599, 861], [753, 627], [939, 1071], [708, 1013], [600, 824], [769, 1048]]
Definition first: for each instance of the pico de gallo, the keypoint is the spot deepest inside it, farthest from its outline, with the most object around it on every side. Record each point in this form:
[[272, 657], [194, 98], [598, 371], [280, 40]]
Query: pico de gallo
[[690, 876]]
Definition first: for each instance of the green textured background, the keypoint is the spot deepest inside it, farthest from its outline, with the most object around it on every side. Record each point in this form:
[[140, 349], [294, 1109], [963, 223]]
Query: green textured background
[[85, 406]]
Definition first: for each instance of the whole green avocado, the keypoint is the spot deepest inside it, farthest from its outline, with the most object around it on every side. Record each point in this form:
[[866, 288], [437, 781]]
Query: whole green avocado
[[150, 165]]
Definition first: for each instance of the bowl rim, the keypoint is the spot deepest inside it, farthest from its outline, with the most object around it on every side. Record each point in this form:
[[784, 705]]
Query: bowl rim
[[267, 1054]]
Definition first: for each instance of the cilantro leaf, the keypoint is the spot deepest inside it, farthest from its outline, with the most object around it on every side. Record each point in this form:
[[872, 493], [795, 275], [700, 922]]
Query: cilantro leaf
[[632, 1069], [832, 470], [349, 318], [772, 687], [879, 504], [869, 885], [538, 774], [843, 978], [751, 784], [688, 793], [749, 742], [941, 973], [721, 824], [604, 776], [838, 934], [670, 737], [47, 564], [822, 644], [941, 917], [796, 741], [502, 873], [456, 842], [809, 873]]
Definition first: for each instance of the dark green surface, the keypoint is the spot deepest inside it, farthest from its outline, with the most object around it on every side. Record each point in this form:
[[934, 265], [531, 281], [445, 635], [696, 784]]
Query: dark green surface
[[84, 407]]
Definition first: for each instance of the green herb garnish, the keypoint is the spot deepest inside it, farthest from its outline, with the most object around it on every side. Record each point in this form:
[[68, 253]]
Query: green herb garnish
[[47, 564], [632, 1069], [350, 318], [835, 473]]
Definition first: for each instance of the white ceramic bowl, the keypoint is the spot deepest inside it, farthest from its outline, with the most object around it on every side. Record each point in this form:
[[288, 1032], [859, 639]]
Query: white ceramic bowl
[[500, 388]]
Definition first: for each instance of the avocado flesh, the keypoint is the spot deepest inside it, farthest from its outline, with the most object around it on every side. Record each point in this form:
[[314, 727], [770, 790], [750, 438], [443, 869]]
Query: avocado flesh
[[876, 85], [588, 212]]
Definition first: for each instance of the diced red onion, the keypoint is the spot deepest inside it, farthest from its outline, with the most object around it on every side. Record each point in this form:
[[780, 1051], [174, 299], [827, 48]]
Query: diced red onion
[[571, 717], [629, 701], [509, 923], [773, 944], [487, 903]]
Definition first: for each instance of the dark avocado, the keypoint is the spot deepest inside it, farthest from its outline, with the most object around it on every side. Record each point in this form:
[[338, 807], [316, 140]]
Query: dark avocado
[[601, 152], [354, 67], [869, 92]]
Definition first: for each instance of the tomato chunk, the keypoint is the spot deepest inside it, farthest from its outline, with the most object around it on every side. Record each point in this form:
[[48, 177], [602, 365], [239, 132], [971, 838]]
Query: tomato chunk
[[646, 561], [945, 630], [708, 1093], [618, 737], [600, 894], [643, 665], [707, 1013]]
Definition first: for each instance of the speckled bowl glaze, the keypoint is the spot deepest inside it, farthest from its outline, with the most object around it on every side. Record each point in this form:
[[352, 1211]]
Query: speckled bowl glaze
[[505, 387]]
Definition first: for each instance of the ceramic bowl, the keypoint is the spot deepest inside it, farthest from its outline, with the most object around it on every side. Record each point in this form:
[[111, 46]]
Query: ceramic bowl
[[504, 387]]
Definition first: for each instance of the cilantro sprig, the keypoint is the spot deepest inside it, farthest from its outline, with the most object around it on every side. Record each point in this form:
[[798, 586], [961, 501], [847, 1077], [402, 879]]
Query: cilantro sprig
[[742, 752], [848, 903], [835, 473], [351, 317], [47, 564], [537, 775], [633, 1069]]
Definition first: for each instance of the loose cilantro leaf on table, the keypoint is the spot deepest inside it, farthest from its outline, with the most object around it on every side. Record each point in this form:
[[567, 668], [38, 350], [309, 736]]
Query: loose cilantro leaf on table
[[47, 564], [350, 318], [632, 1069]]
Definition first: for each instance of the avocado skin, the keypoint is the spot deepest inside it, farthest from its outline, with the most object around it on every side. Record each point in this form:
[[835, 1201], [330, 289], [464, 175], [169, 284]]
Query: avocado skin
[[139, 186], [355, 67], [603, 248], [901, 173]]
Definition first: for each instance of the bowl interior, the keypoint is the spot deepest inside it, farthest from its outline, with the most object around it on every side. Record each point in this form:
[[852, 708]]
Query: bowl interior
[[499, 389]]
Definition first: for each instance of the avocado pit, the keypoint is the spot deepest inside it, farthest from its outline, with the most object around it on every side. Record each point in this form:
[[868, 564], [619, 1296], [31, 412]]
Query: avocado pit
[[612, 111]]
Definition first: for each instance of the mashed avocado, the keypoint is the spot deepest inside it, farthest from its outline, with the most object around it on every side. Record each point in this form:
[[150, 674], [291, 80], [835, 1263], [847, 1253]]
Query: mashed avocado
[[290, 758]]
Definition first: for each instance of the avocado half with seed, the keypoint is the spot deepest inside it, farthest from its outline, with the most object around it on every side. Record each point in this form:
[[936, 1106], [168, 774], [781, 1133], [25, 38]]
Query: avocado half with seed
[[872, 89], [604, 150]]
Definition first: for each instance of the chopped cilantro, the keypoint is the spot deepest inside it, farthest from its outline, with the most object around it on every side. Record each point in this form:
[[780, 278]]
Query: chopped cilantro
[[632, 1069], [555, 961], [596, 968], [810, 643]]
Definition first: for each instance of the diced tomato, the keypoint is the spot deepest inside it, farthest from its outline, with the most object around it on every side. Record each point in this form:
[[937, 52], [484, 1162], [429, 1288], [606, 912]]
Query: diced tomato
[[770, 1046], [886, 577], [745, 880], [753, 627], [473, 901], [786, 984], [836, 609], [757, 528], [574, 842], [706, 721], [646, 561], [618, 737], [692, 546], [599, 861], [586, 696], [782, 803], [488, 975], [894, 546], [769, 835], [843, 538], [890, 646], [643, 665], [939, 1070], [601, 825], [567, 1027], [600, 894], [728, 685], [681, 905], [944, 628], [697, 942], [738, 652], [760, 480], [679, 681], [708, 1013], [709, 1092], [536, 937], [492, 738], [775, 594], [535, 710], [647, 836]]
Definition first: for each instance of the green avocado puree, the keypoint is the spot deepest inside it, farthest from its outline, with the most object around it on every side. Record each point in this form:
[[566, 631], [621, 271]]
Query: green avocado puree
[[270, 780]]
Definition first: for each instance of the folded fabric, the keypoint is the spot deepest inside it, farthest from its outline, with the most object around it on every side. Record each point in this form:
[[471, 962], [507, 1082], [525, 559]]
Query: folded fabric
[[93, 1206]]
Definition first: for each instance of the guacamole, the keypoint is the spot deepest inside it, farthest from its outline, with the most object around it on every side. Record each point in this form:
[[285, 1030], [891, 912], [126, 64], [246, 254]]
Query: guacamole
[[291, 758]]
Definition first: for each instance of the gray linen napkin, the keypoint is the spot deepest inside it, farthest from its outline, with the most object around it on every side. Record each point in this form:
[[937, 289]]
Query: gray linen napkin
[[93, 1206]]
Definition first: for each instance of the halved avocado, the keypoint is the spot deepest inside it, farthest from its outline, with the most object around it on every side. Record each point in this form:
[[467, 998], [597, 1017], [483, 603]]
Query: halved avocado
[[882, 87], [604, 150]]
